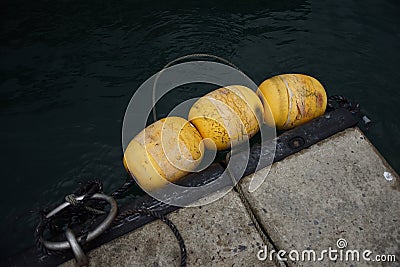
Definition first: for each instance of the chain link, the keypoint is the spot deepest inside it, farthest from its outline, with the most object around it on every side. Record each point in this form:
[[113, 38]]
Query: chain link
[[339, 101]]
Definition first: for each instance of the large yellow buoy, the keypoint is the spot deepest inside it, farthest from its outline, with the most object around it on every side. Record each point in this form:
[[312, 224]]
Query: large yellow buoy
[[163, 152], [293, 100], [227, 115]]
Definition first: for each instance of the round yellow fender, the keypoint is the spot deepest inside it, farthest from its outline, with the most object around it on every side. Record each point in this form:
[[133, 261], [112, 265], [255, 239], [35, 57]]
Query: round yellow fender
[[227, 115], [164, 151], [293, 100]]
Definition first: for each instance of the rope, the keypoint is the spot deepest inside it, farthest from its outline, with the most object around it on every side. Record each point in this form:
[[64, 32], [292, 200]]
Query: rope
[[72, 215], [179, 59], [334, 102], [44, 222], [71, 198], [88, 189], [264, 236], [165, 220], [119, 193]]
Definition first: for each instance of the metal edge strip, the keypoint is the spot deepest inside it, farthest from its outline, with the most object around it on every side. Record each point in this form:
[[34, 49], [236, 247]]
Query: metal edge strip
[[308, 134]]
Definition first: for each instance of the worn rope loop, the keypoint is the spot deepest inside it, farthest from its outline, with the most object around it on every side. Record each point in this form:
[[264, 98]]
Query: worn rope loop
[[88, 190], [71, 199], [80, 214]]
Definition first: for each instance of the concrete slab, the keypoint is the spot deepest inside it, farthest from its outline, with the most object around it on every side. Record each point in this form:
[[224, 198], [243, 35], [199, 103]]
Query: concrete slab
[[340, 188], [334, 190], [218, 234]]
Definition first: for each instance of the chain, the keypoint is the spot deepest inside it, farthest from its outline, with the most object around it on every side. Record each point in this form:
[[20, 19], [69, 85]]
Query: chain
[[339, 101], [81, 208]]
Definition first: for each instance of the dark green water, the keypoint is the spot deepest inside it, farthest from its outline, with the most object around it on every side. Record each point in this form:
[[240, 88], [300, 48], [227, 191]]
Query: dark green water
[[68, 69]]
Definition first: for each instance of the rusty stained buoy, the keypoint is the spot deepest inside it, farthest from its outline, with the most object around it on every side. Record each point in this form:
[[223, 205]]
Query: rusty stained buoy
[[293, 99], [226, 116], [163, 152]]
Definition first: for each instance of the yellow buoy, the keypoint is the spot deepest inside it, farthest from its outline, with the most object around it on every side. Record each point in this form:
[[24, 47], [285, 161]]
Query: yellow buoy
[[293, 100], [227, 115], [163, 152]]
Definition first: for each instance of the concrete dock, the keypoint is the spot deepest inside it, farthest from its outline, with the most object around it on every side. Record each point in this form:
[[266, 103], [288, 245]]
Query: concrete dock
[[339, 194]]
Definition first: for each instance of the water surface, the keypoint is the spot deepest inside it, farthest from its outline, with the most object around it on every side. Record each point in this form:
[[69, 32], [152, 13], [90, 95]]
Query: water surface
[[68, 69]]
